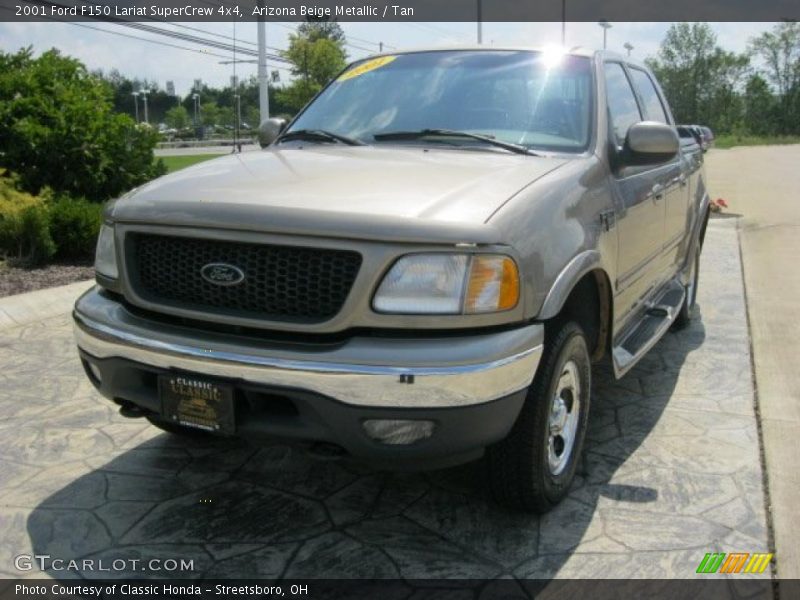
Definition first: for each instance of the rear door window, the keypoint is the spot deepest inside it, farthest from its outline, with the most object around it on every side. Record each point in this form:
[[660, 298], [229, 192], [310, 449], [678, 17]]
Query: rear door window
[[647, 90], [622, 106]]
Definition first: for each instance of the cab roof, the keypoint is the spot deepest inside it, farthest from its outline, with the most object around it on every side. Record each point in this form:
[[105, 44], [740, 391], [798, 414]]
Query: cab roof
[[573, 51]]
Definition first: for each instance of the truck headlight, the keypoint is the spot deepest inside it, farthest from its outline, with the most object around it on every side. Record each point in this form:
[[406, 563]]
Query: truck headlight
[[449, 284], [105, 259]]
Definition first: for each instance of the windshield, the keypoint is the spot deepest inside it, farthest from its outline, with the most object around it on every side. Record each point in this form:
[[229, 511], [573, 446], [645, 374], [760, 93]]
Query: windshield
[[520, 97]]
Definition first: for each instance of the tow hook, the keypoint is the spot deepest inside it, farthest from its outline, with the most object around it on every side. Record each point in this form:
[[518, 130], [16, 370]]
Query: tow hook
[[130, 410]]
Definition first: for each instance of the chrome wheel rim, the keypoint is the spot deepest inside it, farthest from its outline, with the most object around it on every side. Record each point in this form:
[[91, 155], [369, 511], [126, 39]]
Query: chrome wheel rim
[[563, 420]]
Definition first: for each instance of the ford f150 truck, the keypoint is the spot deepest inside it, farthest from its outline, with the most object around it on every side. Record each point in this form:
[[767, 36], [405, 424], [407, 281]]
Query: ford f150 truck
[[418, 270]]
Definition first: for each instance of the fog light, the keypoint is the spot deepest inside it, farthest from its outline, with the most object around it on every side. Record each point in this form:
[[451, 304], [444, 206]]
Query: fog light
[[398, 431]]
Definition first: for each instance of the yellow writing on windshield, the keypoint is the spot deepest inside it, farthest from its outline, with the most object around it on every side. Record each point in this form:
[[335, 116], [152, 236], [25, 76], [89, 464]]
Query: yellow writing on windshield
[[366, 67]]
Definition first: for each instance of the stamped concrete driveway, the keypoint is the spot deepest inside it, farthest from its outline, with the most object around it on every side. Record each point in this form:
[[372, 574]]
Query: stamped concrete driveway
[[671, 472]]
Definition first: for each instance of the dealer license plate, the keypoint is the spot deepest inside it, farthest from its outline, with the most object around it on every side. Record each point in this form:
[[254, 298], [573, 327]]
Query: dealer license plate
[[186, 400]]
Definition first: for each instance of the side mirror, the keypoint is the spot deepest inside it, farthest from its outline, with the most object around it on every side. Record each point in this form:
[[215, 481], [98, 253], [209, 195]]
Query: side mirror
[[269, 130], [649, 143]]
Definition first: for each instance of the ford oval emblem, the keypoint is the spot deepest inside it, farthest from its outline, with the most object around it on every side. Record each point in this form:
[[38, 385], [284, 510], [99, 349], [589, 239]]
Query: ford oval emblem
[[222, 274]]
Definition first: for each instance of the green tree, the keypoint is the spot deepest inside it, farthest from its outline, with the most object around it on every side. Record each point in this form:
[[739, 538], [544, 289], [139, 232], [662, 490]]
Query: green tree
[[316, 30], [210, 113], [779, 49], [177, 117], [58, 129], [760, 106], [701, 80], [317, 54]]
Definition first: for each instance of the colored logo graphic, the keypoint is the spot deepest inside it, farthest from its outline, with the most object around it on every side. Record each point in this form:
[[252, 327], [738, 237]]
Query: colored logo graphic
[[736, 562]]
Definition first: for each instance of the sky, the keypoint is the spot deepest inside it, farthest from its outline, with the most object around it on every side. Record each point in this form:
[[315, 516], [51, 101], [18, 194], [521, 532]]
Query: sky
[[138, 58]]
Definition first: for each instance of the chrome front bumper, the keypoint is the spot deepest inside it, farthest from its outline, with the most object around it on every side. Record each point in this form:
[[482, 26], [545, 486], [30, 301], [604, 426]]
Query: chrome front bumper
[[419, 372]]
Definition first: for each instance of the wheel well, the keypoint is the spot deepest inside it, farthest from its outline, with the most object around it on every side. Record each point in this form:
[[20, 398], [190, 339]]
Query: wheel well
[[705, 224], [589, 305]]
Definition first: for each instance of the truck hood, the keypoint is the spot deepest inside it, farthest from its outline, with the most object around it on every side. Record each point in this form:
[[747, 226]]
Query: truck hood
[[372, 192]]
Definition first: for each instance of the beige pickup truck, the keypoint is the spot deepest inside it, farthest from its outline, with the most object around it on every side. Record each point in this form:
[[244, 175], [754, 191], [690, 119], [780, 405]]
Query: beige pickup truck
[[418, 270]]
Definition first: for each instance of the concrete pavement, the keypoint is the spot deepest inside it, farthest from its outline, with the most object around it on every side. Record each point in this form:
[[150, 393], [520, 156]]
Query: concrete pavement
[[32, 307], [671, 471], [763, 185]]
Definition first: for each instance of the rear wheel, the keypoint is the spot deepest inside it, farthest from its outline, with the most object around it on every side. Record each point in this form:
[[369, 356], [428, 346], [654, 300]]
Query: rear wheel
[[533, 468], [684, 316]]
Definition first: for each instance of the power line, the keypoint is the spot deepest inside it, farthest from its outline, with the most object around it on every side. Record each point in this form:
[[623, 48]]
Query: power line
[[435, 29], [142, 39], [171, 34], [346, 42], [290, 28], [134, 37], [212, 43], [221, 35], [197, 40]]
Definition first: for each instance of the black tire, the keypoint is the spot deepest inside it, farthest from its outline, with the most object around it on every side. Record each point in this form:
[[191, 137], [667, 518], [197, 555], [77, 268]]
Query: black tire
[[686, 312], [174, 429], [520, 471]]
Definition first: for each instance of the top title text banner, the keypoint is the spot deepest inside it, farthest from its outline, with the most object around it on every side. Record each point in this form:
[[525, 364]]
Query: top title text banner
[[399, 10]]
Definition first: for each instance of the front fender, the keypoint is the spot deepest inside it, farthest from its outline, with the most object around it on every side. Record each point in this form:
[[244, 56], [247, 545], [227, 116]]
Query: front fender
[[579, 266]]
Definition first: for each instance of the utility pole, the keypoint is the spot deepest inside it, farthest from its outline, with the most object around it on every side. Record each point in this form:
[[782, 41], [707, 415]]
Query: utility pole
[[380, 46], [606, 26], [628, 46], [563, 22], [136, 104], [238, 135], [263, 79], [480, 23]]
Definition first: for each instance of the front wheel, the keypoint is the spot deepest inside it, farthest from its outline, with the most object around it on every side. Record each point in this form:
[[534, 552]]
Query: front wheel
[[533, 468]]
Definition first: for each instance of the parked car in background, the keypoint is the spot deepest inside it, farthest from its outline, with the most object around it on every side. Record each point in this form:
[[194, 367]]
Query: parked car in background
[[690, 132], [691, 148], [702, 134], [708, 136], [420, 268]]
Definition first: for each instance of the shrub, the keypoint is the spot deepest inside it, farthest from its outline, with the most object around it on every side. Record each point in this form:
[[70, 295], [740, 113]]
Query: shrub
[[74, 227], [24, 224], [58, 129]]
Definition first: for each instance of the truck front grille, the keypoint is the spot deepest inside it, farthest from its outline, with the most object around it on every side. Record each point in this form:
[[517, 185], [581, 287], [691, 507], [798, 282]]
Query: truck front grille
[[280, 282]]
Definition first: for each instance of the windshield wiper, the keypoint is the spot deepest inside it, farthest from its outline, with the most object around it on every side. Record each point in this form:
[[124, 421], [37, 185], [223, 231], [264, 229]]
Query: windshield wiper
[[319, 135], [415, 135]]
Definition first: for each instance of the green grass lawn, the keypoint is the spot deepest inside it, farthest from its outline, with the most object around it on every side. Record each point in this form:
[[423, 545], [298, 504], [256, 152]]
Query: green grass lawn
[[733, 140], [176, 163]]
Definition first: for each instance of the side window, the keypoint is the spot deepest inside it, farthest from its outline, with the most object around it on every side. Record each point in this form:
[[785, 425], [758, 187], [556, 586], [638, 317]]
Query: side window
[[652, 103], [621, 101]]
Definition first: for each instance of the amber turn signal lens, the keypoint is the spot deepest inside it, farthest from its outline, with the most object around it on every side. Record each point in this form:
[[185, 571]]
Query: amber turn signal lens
[[493, 284]]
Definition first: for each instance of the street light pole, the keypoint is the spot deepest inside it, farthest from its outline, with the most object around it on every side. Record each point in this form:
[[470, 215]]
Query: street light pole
[[563, 22], [606, 26], [144, 99], [136, 104], [195, 98]]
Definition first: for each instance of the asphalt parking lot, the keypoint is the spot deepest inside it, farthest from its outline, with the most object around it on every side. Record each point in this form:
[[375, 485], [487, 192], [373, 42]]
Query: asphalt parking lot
[[671, 471]]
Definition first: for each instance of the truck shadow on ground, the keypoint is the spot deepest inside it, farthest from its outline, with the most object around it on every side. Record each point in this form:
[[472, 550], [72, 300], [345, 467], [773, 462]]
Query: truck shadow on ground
[[274, 512]]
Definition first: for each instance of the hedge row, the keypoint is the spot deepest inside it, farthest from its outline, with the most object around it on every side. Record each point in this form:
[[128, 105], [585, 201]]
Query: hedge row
[[36, 229]]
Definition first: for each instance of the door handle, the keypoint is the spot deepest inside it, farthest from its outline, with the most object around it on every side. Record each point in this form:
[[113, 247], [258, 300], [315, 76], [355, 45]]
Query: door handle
[[657, 192]]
